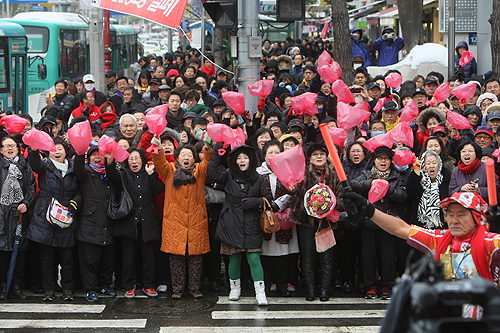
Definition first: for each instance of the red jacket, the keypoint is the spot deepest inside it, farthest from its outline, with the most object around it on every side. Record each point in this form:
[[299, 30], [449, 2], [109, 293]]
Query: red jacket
[[93, 112]]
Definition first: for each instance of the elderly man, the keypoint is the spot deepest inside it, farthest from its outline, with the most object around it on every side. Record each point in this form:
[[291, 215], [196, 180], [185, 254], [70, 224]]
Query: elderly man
[[128, 127], [466, 248], [484, 136]]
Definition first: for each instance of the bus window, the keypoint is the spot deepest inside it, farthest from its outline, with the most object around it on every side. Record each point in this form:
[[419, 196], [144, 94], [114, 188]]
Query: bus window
[[73, 52], [4, 67], [38, 39]]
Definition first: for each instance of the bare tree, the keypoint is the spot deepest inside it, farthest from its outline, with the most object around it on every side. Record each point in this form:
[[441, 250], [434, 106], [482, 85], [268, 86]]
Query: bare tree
[[495, 38], [410, 14], [342, 39]]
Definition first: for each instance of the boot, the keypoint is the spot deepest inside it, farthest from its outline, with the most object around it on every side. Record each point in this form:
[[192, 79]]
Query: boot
[[326, 261], [235, 292], [15, 292], [309, 279], [3, 291], [260, 293]]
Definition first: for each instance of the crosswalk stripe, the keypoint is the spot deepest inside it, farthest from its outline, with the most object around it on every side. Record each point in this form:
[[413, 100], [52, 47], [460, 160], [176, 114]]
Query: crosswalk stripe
[[314, 314], [301, 300], [52, 308], [281, 329], [72, 323]]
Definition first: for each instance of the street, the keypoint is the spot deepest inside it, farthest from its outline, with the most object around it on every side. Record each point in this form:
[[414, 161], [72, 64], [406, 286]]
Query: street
[[213, 313]]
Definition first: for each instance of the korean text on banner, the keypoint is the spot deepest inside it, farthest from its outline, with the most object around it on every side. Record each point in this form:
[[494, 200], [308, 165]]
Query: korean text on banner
[[165, 12]]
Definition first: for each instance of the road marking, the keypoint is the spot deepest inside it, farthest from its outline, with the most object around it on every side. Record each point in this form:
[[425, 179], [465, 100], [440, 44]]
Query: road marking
[[73, 323], [287, 329], [314, 314], [300, 300], [52, 308]]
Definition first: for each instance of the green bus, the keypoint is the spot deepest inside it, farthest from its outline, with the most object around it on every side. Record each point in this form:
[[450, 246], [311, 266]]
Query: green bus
[[58, 46], [13, 67]]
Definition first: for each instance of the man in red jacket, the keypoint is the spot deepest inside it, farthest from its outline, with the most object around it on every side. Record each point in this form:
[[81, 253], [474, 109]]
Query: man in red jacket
[[87, 107]]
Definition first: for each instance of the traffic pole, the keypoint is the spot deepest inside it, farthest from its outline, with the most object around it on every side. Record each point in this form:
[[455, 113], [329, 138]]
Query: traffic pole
[[96, 42], [451, 38]]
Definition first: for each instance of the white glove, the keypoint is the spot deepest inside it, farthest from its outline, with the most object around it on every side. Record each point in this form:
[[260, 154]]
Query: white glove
[[156, 141]]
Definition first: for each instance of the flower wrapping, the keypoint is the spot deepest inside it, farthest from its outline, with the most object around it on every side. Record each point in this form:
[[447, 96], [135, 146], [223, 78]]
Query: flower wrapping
[[319, 201]]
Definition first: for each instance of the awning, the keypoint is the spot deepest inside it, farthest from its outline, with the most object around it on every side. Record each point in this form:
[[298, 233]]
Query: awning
[[367, 9]]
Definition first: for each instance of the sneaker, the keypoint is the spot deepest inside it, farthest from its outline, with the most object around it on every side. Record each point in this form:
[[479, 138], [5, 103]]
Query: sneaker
[[130, 293], [177, 295], [371, 294], [150, 292], [385, 296], [162, 288], [273, 287], [108, 291], [196, 294], [290, 287], [68, 295], [50, 295], [92, 296]]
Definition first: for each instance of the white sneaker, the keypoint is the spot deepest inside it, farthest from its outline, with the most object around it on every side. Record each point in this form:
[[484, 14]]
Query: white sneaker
[[260, 293], [162, 288], [235, 292]]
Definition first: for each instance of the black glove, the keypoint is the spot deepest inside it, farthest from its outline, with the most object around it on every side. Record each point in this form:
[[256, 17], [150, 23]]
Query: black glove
[[248, 203], [355, 204], [275, 206], [73, 207]]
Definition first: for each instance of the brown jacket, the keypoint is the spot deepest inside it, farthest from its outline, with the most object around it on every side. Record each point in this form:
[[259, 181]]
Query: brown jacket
[[185, 223]]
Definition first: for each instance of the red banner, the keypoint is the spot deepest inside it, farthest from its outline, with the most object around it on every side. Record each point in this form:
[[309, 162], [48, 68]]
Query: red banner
[[164, 12]]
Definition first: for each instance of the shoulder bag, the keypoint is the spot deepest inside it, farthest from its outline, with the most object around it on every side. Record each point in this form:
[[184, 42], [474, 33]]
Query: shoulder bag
[[120, 202], [57, 214]]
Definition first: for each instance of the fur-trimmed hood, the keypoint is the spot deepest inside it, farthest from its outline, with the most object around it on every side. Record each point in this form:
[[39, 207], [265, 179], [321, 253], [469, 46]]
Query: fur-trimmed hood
[[427, 114], [287, 60]]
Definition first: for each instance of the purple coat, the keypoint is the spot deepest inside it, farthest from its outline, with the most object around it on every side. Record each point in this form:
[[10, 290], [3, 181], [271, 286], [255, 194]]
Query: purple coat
[[458, 179]]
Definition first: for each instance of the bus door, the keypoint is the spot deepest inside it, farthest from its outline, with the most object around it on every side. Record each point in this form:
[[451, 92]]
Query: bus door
[[5, 95], [17, 82]]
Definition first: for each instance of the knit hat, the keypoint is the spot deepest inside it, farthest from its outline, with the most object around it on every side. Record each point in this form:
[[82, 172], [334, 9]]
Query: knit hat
[[383, 150], [484, 129], [473, 109]]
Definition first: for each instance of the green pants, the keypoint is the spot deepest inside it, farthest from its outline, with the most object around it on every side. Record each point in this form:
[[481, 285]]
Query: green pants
[[253, 259]]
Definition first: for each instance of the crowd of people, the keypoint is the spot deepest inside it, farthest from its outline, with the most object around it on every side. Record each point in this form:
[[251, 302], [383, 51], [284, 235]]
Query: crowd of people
[[197, 204]]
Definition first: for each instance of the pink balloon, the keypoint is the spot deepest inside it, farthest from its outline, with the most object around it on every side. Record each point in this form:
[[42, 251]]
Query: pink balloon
[[39, 140], [239, 138], [284, 218], [442, 92], [465, 91], [348, 116], [403, 157], [221, 133], [457, 120], [289, 166], [261, 88], [330, 73], [338, 135], [324, 59], [402, 133], [409, 112], [377, 141], [343, 93], [235, 101], [378, 190], [160, 109], [393, 80], [305, 103], [362, 106], [465, 58], [108, 145], [80, 136], [156, 123], [13, 123]]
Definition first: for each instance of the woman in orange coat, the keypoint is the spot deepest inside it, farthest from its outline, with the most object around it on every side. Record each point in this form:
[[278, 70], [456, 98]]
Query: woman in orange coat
[[185, 223]]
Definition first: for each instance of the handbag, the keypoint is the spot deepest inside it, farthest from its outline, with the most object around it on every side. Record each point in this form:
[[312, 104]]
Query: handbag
[[325, 239], [213, 196], [57, 214], [120, 205], [268, 220]]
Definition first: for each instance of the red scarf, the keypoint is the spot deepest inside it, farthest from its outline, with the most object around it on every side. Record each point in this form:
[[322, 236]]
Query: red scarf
[[469, 169], [477, 249], [108, 118]]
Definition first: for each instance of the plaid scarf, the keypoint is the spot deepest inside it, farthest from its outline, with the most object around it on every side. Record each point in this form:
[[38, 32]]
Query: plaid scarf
[[11, 189]]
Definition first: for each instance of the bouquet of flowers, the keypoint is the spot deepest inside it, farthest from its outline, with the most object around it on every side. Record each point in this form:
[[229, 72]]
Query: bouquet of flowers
[[319, 201]]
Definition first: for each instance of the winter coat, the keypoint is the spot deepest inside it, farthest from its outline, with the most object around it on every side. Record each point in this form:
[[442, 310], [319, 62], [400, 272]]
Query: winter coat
[[66, 103], [361, 49], [391, 202], [353, 171], [415, 192], [330, 178], [288, 63], [94, 226], [64, 189], [459, 179], [471, 67], [134, 105], [92, 112], [388, 50], [143, 189], [185, 223], [9, 215], [237, 227]]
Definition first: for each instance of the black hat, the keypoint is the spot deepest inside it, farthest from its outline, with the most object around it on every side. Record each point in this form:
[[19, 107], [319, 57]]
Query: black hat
[[189, 115], [316, 146], [387, 30], [110, 73], [321, 100], [219, 102], [373, 85], [155, 81], [418, 91], [383, 150], [488, 151], [429, 80], [92, 148], [297, 123], [473, 109], [390, 105], [47, 120]]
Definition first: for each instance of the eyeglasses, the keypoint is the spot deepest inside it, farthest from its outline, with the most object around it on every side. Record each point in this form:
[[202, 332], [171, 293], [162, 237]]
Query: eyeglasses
[[383, 157], [483, 137], [356, 151], [10, 146], [318, 154], [273, 152]]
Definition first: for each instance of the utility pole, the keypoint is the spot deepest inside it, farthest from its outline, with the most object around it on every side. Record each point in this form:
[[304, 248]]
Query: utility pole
[[249, 50], [451, 37], [203, 31], [169, 35], [96, 36]]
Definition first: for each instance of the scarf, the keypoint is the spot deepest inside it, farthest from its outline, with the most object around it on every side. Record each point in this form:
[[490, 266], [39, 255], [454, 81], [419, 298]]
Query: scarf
[[11, 188], [101, 170], [63, 167], [377, 174], [477, 247], [388, 126], [469, 169], [428, 211], [304, 82], [183, 176], [107, 119]]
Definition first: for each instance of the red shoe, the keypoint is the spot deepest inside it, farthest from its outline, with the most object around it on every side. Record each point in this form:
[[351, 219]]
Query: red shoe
[[151, 292], [130, 293], [372, 294]]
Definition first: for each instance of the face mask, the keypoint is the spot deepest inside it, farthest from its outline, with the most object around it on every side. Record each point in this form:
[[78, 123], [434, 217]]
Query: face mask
[[320, 110], [401, 169], [375, 133], [153, 94], [89, 86], [356, 66]]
